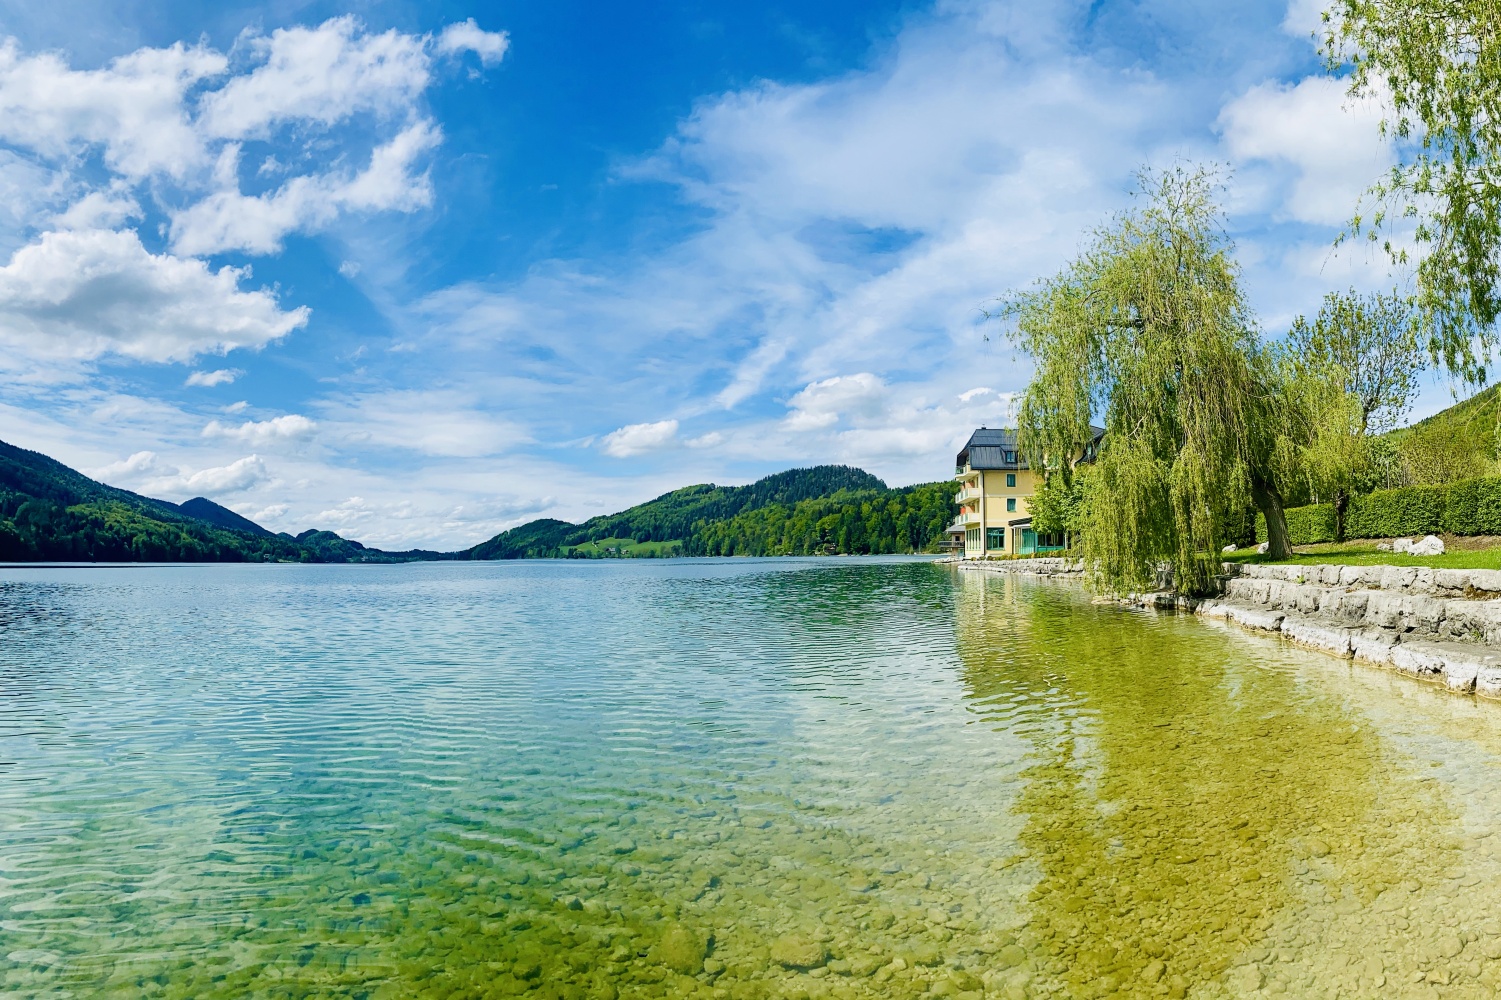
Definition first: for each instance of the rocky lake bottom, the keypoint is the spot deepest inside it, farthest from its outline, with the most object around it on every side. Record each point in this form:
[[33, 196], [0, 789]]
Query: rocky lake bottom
[[839, 778]]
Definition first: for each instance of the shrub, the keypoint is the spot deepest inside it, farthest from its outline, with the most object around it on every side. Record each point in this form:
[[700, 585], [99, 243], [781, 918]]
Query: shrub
[[1305, 525], [1468, 507]]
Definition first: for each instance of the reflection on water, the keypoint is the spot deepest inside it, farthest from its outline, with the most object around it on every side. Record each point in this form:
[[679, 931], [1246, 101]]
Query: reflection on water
[[734, 779]]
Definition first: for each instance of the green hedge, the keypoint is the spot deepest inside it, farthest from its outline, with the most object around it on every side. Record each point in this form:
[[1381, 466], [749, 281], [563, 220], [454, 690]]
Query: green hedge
[[1305, 525], [1468, 507]]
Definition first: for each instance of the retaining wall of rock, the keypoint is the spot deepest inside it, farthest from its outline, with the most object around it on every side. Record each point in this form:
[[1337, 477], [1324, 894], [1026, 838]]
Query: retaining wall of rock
[[1041, 566], [1440, 624]]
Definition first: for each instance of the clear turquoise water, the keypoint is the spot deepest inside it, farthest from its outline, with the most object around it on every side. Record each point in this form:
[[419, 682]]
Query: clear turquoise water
[[841, 778]]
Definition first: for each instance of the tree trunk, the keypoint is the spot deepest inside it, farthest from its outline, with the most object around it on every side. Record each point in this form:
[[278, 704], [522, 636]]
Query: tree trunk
[[1341, 501], [1268, 500]]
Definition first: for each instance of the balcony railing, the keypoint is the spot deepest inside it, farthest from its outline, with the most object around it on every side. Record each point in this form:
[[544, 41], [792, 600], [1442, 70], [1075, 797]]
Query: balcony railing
[[968, 517], [967, 495]]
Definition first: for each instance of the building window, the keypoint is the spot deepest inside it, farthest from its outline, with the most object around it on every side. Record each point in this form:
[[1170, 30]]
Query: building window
[[1011, 503], [1011, 456], [1011, 480], [995, 538]]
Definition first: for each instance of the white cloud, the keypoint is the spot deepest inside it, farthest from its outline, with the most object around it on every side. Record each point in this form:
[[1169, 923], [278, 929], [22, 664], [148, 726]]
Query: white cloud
[[269, 514], [349, 268], [235, 477], [463, 36], [87, 293], [351, 511], [99, 210], [638, 439], [324, 75], [133, 109], [437, 422], [219, 376], [708, 440], [230, 220], [264, 433], [1332, 144], [146, 472], [968, 394], [821, 404], [139, 466], [1304, 17]]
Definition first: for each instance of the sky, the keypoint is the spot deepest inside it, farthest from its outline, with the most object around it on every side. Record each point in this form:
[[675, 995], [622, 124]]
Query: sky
[[417, 273]]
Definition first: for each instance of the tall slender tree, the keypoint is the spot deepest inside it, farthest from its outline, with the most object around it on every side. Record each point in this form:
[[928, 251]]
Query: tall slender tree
[[1436, 64], [1348, 374], [1149, 327]]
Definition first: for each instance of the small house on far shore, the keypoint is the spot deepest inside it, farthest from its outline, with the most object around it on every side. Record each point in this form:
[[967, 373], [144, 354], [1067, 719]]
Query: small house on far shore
[[995, 486]]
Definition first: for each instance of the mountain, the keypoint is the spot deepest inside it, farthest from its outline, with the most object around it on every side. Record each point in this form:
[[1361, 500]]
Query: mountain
[[205, 509], [1455, 443], [824, 509], [51, 512]]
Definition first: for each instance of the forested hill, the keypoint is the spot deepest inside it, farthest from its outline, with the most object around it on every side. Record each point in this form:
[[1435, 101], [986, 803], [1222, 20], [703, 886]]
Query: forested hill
[[51, 512], [826, 509]]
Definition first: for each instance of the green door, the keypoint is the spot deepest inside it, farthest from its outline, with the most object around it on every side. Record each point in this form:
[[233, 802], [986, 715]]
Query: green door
[[1029, 541]]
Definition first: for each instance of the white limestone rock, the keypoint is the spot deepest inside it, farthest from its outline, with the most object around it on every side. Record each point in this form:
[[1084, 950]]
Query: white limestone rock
[[1271, 621], [1458, 664], [1261, 549], [1317, 634], [1431, 545], [1228, 548], [1384, 546], [1373, 645], [1400, 545]]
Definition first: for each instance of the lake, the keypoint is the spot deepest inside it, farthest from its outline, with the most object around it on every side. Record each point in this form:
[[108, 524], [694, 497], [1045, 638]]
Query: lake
[[716, 778]]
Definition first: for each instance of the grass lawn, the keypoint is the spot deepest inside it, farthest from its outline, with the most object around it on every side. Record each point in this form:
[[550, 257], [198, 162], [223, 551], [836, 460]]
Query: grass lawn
[[1460, 553], [628, 547]]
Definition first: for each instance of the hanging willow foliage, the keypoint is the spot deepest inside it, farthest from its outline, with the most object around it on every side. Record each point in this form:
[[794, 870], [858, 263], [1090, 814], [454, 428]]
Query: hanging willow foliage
[[1148, 326]]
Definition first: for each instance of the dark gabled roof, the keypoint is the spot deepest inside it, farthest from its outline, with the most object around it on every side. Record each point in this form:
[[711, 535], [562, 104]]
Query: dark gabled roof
[[989, 448]]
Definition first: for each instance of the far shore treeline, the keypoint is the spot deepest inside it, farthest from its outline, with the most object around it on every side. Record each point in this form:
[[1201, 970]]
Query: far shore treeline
[[49, 512]]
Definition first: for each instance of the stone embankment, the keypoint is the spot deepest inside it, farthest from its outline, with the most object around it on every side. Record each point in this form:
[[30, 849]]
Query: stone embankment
[[1442, 624], [1438, 624], [1040, 566]]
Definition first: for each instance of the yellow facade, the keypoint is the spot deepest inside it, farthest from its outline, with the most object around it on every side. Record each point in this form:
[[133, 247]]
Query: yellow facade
[[989, 501]]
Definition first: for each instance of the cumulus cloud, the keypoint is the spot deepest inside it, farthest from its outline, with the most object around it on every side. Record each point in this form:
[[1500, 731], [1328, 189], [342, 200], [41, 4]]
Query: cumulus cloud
[[638, 439], [1332, 145], [323, 74], [235, 477], [139, 466], [821, 404], [134, 109], [351, 511], [467, 36], [83, 294], [99, 210], [264, 433], [219, 376], [231, 220], [146, 471]]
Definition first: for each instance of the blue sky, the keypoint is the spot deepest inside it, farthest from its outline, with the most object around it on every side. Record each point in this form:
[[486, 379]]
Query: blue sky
[[417, 273]]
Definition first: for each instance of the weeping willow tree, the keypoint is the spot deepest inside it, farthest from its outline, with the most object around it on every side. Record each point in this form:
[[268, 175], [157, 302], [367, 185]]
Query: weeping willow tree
[[1148, 326]]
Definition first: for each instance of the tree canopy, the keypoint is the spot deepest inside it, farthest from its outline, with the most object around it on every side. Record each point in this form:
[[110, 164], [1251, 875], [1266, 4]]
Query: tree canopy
[[1149, 327], [1437, 65]]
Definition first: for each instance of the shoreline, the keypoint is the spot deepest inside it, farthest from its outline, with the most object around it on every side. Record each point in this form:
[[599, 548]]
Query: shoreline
[[1439, 625]]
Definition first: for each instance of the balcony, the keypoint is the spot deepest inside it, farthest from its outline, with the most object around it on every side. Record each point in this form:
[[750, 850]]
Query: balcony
[[969, 494], [968, 518]]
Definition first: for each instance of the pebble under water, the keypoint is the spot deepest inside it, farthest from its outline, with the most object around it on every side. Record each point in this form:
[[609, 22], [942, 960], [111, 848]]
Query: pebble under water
[[716, 778]]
